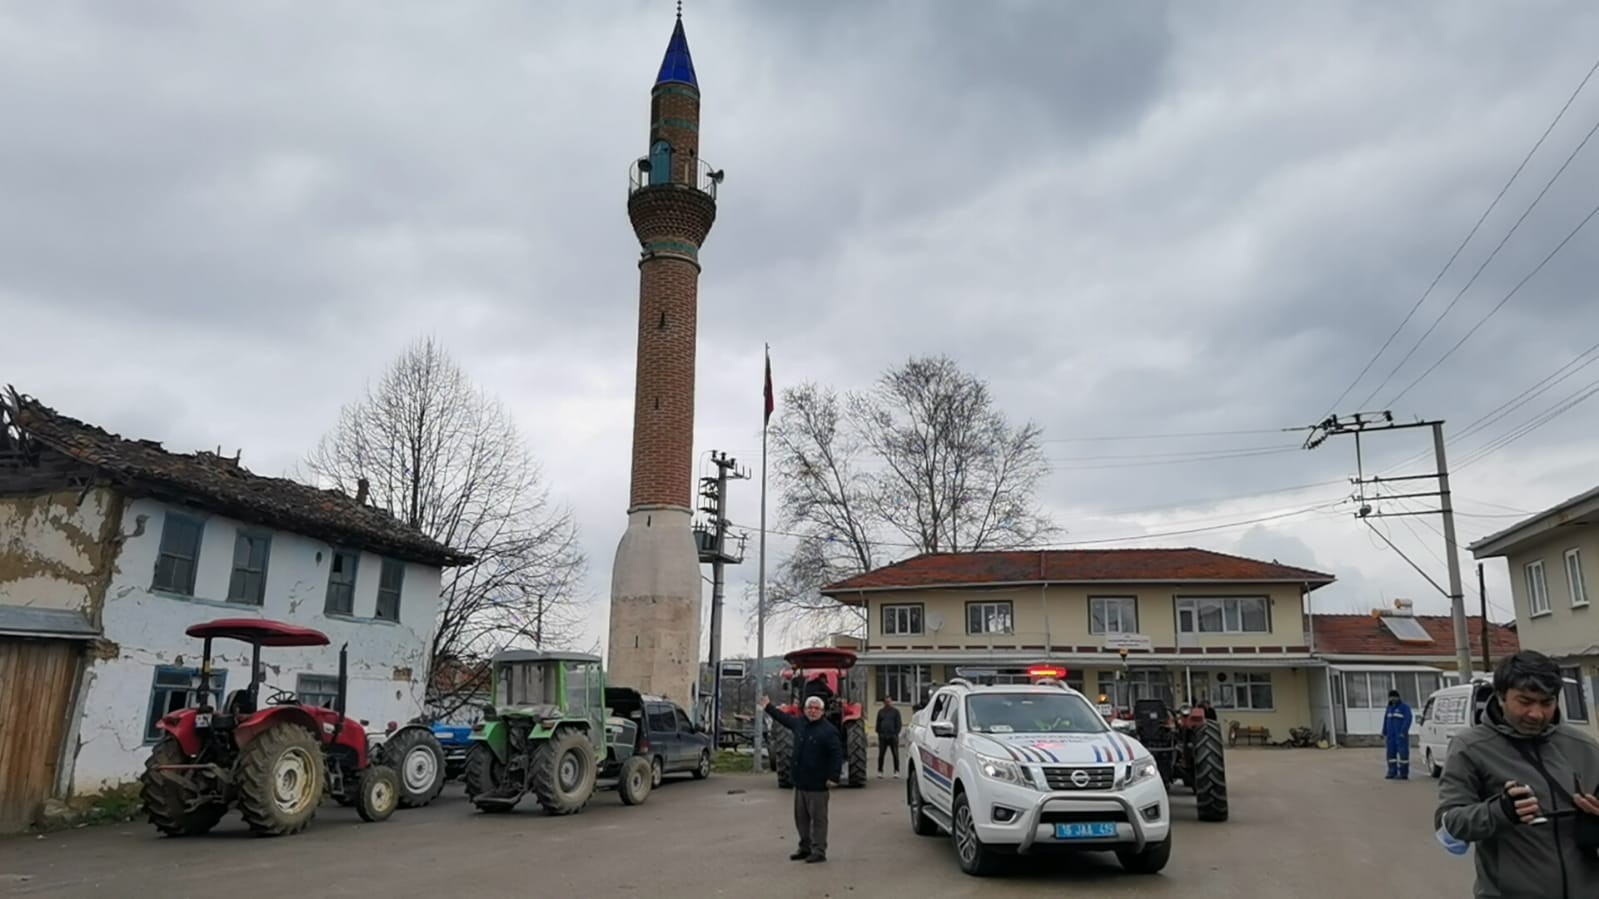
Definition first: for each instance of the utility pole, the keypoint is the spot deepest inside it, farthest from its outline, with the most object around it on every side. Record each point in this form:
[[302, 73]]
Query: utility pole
[[1363, 422], [712, 541], [1482, 595]]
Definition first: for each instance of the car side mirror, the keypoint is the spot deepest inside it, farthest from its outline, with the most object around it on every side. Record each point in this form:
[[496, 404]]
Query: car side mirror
[[943, 728]]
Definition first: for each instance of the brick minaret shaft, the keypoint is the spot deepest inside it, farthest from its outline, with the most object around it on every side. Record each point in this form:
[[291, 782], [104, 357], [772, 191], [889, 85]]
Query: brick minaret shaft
[[656, 582]]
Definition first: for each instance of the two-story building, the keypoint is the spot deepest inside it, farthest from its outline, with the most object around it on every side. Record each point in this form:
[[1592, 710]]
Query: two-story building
[[1211, 627], [110, 548], [1552, 557]]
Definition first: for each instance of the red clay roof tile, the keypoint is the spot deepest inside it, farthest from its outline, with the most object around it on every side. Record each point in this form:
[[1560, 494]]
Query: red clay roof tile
[[1366, 635], [1065, 565]]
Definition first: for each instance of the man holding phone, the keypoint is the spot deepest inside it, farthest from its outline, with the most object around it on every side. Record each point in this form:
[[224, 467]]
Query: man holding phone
[[1515, 785]]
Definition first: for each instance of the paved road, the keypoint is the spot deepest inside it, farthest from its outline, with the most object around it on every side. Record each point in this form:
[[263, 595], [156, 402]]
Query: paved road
[[1305, 823]]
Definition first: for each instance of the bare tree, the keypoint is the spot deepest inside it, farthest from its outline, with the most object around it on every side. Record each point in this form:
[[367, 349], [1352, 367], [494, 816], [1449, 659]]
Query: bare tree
[[439, 454], [924, 463]]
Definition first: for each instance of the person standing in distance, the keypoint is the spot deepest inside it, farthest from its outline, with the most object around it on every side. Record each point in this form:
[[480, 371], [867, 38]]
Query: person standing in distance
[[818, 756], [888, 724], [1518, 765], [1396, 731]]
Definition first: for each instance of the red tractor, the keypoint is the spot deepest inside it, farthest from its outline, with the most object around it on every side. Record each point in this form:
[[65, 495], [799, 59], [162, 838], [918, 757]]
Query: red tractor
[[274, 762], [821, 672]]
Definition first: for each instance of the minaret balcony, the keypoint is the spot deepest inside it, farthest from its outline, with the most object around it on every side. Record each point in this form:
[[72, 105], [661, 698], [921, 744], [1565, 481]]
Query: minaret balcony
[[672, 174]]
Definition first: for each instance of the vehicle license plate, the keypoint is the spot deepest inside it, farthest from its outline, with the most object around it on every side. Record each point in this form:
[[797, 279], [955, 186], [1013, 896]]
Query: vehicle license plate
[[1084, 831], [202, 720]]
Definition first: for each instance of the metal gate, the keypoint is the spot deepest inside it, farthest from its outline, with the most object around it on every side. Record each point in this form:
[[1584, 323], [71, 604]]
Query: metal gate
[[38, 678]]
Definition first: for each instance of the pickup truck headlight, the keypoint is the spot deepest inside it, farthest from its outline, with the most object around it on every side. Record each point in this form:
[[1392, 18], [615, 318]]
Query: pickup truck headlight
[[1004, 770], [1142, 770]]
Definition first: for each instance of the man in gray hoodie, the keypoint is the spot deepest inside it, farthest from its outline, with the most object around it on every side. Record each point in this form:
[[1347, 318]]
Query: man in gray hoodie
[[1517, 785]]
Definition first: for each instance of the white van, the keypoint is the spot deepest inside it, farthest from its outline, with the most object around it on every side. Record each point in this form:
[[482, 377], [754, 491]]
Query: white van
[[1453, 709]]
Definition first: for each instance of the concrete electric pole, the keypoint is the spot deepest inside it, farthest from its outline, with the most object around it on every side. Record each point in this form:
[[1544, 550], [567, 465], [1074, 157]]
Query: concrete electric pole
[[1363, 422], [712, 540]]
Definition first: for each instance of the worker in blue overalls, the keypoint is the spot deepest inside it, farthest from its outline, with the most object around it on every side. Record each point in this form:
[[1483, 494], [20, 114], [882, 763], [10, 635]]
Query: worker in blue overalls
[[1396, 733]]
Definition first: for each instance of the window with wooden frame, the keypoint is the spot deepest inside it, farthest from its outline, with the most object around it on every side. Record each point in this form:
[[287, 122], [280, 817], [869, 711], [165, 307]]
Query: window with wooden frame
[[179, 556], [341, 582], [251, 550], [389, 584]]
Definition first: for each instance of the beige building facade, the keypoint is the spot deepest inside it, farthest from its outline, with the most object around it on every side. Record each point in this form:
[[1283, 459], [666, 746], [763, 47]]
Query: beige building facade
[[1552, 559], [1125, 624]]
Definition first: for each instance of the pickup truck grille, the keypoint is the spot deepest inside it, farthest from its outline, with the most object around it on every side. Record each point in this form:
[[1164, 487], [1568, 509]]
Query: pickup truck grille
[[1100, 777]]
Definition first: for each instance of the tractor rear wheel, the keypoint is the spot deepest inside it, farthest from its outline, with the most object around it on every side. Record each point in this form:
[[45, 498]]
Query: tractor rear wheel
[[855, 751], [634, 784], [281, 777], [418, 759], [564, 771], [1208, 776], [169, 798], [378, 794], [483, 771], [782, 755]]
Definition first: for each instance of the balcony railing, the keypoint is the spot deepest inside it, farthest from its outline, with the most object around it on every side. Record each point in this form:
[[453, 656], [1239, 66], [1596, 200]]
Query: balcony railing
[[691, 173]]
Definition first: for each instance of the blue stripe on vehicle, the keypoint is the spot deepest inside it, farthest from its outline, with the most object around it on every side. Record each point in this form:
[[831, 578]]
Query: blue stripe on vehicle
[[1052, 756], [937, 778], [1115, 750], [1098, 757]]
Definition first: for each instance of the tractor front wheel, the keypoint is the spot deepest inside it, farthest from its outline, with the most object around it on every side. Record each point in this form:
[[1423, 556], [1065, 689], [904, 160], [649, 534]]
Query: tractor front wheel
[[281, 778], [855, 751], [635, 781], [170, 799], [782, 755], [415, 754], [378, 794], [564, 771], [1208, 775]]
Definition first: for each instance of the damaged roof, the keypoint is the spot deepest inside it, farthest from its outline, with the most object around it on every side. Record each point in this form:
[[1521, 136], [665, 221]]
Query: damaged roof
[[1060, 566], [218, 483]]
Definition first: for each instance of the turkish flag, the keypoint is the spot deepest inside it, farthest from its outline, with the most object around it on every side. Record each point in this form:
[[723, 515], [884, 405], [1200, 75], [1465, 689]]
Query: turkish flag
[[770, 402]]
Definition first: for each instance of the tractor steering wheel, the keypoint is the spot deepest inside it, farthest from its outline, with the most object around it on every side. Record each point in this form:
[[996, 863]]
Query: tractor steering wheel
[[282, 697]]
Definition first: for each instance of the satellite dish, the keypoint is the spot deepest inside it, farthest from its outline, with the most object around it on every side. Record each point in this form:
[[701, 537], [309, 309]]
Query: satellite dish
[[935, 622]]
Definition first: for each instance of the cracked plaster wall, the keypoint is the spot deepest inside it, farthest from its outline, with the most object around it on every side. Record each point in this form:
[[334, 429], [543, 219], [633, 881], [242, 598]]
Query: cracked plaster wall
[[54, 550], [148, 630]]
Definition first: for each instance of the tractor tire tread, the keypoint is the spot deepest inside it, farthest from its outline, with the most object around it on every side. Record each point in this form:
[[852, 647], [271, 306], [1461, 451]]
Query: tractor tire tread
[[1209, 775], [394, 755], [163, 801], [546, 772], [782, 756], [855, 751], [255, 783]]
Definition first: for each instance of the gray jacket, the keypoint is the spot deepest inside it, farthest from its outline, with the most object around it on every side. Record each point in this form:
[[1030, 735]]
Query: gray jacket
[[1514, 860]]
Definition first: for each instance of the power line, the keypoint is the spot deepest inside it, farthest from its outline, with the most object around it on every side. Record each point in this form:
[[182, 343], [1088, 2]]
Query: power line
[[1491, 206], [1106, 437], [1218, 457], [1572, 400], [1513, 291]]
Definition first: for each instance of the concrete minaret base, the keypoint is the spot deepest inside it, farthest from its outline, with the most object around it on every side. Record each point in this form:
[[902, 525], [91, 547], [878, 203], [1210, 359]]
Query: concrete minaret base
[[656, 593]]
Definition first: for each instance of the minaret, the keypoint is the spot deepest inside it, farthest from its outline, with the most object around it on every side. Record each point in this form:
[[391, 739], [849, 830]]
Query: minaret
[[655, 582]]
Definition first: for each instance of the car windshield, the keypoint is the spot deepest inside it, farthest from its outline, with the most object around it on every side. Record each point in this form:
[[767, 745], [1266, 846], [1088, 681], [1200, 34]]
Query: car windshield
[[1032, 713]]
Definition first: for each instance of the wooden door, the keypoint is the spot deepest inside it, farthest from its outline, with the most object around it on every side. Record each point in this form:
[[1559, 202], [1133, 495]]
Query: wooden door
[[37, 681]]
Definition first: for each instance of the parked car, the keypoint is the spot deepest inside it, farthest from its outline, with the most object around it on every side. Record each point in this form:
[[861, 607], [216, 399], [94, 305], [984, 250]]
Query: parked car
[[671, 742], [1450, 710]]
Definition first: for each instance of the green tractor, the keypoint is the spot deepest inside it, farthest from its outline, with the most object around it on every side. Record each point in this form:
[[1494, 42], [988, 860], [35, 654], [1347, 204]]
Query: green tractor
[[548, 733]]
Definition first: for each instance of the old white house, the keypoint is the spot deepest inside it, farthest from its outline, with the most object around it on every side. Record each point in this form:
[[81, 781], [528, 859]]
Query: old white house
[[110, 548]]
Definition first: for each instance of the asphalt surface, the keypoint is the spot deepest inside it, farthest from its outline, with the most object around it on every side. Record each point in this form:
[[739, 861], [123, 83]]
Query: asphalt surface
[[1304, 823]]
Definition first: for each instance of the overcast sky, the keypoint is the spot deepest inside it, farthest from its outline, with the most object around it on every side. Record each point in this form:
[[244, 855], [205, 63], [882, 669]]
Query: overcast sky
[[219, 221]]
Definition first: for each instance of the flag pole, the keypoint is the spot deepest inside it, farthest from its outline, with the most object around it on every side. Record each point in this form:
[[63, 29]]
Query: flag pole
[[760, 588]]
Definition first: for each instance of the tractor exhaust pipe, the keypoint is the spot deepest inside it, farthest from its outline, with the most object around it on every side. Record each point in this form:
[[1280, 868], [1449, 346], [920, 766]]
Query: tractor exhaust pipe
[[344, 679]]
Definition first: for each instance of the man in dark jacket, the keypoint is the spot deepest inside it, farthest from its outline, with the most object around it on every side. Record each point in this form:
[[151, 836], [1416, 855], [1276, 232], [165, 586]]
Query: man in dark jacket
[[818, 756], [1518, 765], [887, 734]]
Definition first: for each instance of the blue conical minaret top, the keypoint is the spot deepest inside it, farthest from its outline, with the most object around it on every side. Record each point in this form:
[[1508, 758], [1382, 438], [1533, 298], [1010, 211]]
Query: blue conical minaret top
[[678, 66]]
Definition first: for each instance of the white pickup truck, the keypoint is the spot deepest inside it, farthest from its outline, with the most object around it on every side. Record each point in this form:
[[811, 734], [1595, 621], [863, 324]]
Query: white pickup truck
[[1017, 769]]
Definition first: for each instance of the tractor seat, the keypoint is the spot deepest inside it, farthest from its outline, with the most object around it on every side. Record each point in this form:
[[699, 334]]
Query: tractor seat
[[239, 703]]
